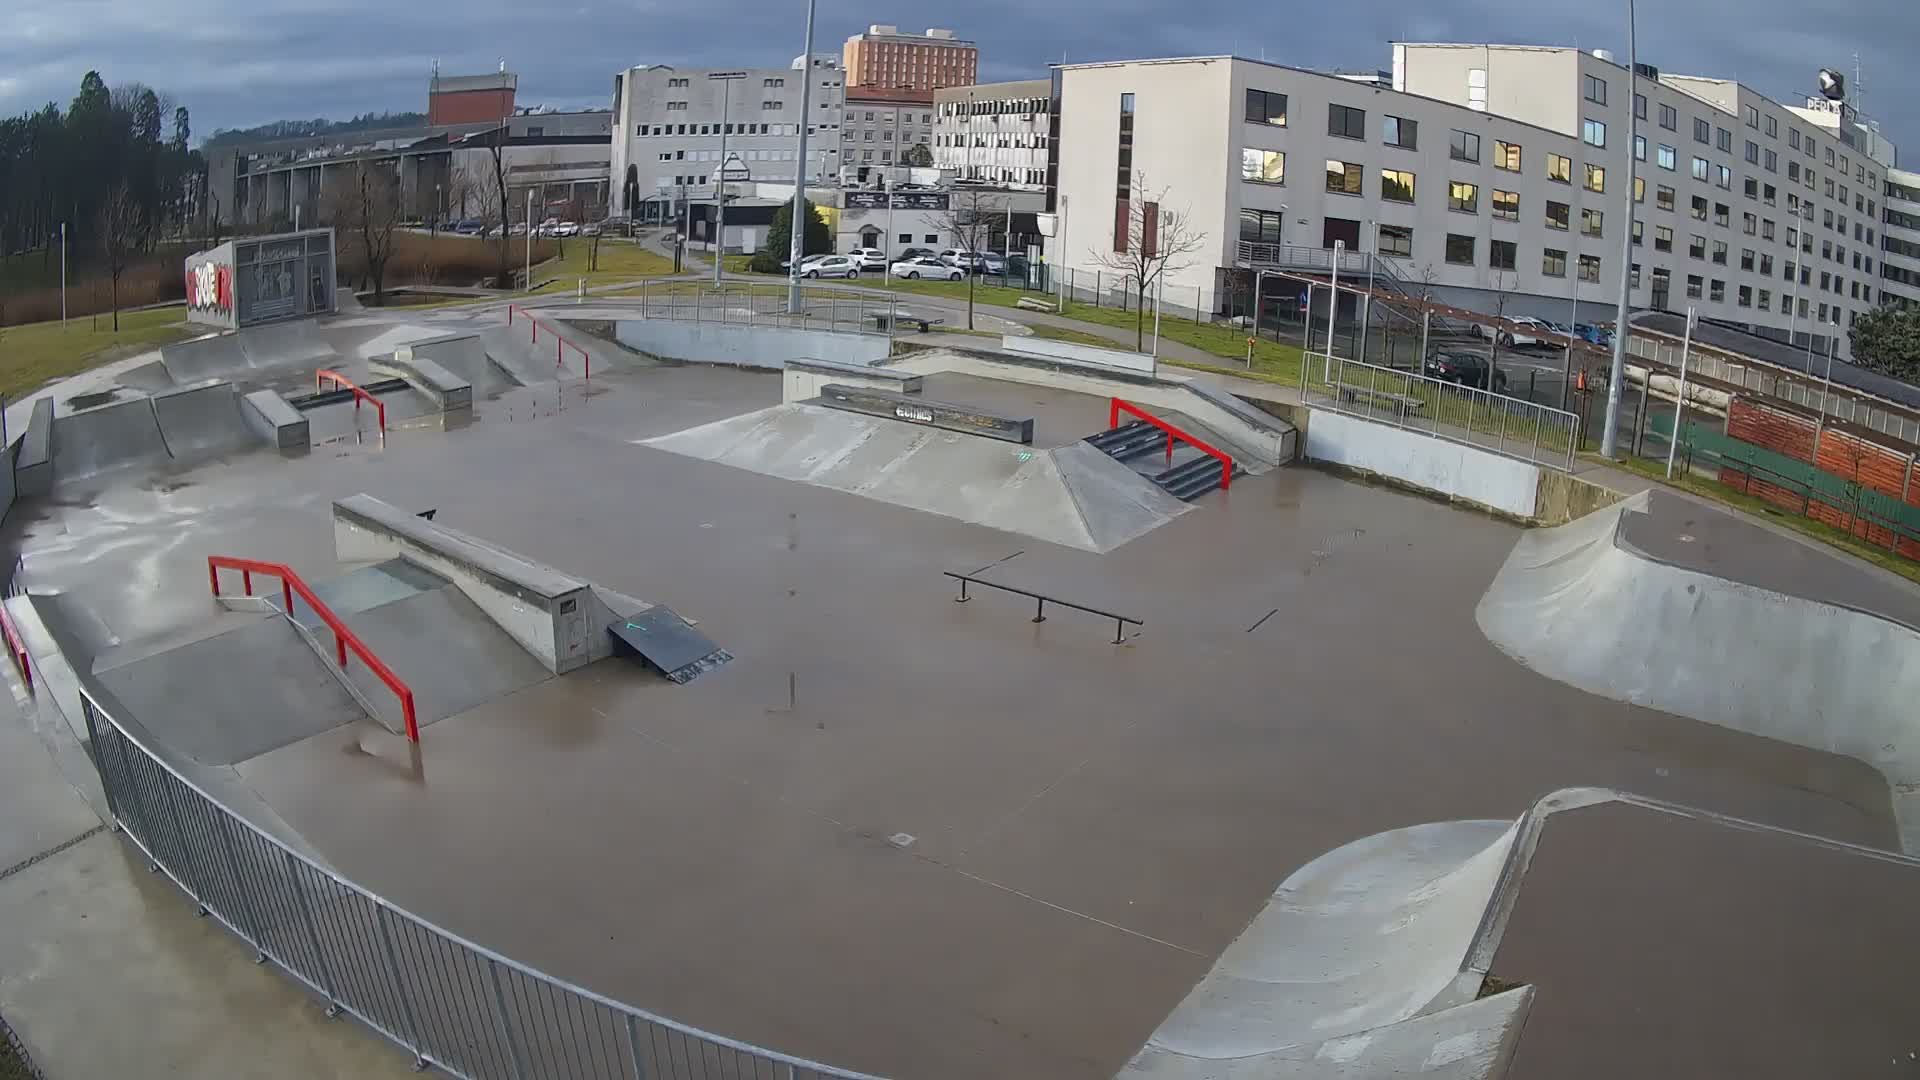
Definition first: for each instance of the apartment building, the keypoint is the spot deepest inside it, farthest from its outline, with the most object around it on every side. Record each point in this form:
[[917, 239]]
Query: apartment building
[[669, 124], [883, 56], [1900, 242], [880, 124], [994, 132], [1759, 213]]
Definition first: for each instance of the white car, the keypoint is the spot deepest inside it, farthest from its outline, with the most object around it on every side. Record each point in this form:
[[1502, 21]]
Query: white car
[[805, 261], [869, 258], [831, 266], [1519, 337], [925, 267], [567, 228], [956, 257]]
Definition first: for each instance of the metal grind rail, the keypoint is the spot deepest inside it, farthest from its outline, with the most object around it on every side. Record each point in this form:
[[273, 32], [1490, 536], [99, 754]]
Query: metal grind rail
[[1120, 622], [452, 1004], [559, 343], [344, 639], [1117, 406], [325, 375]]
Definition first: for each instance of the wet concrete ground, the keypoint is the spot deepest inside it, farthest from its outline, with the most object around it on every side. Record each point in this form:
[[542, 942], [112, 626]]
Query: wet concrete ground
[[968, 844]]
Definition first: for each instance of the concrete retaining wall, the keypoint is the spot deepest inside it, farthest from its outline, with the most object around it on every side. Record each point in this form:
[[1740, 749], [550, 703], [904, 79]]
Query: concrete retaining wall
[[1459, 472], [279, 423], [1083, 355], [748, 346]]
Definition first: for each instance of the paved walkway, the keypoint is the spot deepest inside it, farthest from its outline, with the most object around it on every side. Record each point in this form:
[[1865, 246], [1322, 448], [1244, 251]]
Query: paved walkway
[[106, 971]]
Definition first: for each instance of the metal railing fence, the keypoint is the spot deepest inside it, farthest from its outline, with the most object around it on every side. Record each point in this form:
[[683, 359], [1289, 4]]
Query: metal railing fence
[[766, 305], [452, 1004], [1508, 426]]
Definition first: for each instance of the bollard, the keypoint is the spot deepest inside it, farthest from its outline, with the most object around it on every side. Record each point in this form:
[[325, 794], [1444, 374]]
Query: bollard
[[1249, 354]]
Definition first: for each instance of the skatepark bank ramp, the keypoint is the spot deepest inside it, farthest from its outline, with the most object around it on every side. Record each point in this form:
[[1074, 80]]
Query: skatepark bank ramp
[[182, 426]]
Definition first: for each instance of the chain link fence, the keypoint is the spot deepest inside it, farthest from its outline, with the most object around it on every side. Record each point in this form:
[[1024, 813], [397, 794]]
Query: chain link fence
[[450, 1003], [15, 1064]]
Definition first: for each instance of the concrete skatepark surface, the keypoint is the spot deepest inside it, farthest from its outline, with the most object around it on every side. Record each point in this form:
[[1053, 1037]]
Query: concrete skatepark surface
[[901, 834]]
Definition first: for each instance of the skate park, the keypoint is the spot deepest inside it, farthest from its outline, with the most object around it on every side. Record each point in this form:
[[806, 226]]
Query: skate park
[[1297, 774]]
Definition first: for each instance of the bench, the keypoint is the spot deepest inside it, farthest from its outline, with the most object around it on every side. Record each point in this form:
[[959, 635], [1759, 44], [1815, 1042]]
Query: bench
[[1031, 304], [924, 322], [1402, 404]]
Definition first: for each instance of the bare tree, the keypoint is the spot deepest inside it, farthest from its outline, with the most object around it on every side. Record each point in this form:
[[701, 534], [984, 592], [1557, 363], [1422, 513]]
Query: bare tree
[[970, 218], [122, 228], [1503, 286], [1157, 240], [367, 210]]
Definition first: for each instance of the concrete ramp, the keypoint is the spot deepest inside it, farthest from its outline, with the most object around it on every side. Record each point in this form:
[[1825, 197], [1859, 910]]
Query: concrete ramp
[[467, 357], [1065, 496], [447, 650], [1578, 603], [214, 356], [122, 435], [1366, 936], [203, 421]]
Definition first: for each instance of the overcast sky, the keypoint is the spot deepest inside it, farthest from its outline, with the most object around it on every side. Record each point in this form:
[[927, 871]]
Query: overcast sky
[[235, 64]]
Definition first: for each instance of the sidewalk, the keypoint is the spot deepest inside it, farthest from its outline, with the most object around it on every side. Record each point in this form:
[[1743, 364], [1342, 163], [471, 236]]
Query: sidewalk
[[105, 970]]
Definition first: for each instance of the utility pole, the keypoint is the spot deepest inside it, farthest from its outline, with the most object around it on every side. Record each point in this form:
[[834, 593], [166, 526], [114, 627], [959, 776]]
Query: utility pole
[[63, 275], [1680, 396], [1608, 437], [726, 80], [797, 241], [503, 225]]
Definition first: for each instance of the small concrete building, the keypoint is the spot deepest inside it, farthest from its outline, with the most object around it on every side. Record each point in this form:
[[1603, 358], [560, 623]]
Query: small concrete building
[[259, 279]]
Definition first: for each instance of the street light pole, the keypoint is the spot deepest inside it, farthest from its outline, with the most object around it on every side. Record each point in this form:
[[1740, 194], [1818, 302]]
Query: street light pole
[[726, 80], [1617, 373], [798, 225], [503, 224]]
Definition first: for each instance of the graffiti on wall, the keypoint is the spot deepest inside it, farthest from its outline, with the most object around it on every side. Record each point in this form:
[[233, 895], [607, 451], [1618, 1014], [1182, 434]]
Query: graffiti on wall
[[210, 288]]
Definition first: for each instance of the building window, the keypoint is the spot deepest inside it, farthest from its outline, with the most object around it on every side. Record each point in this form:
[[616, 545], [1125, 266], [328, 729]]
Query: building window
[[1793, 170], [1553, 262], [1696, 284], [1753, 116], [1793, 138], [1750, 188], [1722, 214], [1770, 160], [1395, 240], [1464, 146], [1639, 148], [1261, 226], [1263, 166], [1702, 131], [1590, 222], [1594, 132], [1560, 168], [1639, 232], [1765, 302], [1746, 259], [1701, 169], [1396, 185], [1503, 255], [1696, 247], [1123, 187], [1590, 268], [1596, 178], [1343, 177], [1723, 177], [1639, 189], [1769, 194], [1663, 197], [1460, 249], [1666, 157], [1463, 197], [1400, 132], [1266, 107], [1720, 252], [1717, 291], [1346, 123], [1752, 152], [1557, 214], [1506, 205], [1662, 238], [1698, 208], [1723, 139], [1669, 118], [1506, 155], [1766, 266], [1829, 155], [1596, 89], [1750, 224], [1639, 106]]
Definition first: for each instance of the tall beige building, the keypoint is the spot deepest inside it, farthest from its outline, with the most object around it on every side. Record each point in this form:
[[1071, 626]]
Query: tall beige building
[[883, 56]]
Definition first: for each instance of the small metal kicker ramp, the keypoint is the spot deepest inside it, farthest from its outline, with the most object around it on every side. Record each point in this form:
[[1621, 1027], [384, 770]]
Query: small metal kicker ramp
[[668, 642]]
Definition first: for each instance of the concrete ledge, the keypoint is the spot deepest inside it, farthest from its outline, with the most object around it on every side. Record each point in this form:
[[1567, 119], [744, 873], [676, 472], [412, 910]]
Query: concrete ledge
[[1284, 436], [1089, 356], [805, 377], [745, 345], [961, 418], [559, 619], [279, 423], [33, 460], [447, 390]]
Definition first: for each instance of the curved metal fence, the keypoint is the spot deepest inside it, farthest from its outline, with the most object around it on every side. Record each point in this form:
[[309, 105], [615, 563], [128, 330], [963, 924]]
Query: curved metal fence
[[452, 1004]]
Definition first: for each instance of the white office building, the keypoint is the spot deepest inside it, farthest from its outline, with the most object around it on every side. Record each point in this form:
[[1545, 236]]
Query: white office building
[[995, 133], [1490, 176], [1900, 244], [880, 126], [669, 124]]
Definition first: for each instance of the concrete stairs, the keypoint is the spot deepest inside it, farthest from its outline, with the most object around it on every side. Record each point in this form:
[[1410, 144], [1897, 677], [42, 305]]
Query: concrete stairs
[[1142, 447]]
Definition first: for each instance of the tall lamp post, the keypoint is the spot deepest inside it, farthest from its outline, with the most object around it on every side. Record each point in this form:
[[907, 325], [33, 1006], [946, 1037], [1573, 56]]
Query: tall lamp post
[[726, 80], [1608, 437], [798, 225]]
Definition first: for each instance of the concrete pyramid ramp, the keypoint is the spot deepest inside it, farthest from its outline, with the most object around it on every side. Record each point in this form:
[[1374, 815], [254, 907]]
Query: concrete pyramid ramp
[[1578, 604], [1064, 496], [203, 420], [208, 357], [117, 436], [1366, 936]]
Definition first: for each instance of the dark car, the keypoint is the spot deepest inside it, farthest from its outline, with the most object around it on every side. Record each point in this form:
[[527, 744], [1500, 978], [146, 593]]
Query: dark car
[[1466, 369]]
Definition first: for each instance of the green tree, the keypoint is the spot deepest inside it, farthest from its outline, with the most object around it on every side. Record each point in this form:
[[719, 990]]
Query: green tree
[[917, 156], [815, 241], [1887, 340]]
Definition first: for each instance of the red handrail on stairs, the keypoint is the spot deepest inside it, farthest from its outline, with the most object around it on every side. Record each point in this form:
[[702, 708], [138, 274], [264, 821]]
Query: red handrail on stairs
[[343, 638], [1173, 433], [359, 395], [586, 361]]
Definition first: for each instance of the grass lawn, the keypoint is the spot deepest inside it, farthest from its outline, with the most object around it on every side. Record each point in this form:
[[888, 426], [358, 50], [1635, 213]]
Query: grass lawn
[[620, 260], [1709, 487], [33, 355]]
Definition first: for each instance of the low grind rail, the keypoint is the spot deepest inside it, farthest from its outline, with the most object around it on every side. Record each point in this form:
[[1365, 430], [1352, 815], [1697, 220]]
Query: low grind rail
[[1117, 406], [344, 639], [559, 343], [1040, 604], [325, 375]]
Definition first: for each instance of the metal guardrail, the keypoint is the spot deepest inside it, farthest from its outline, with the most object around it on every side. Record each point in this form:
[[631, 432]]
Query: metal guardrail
[[1040, 604], [766, 305], [452, 1004], [1254, 254], [360, 394], [559, 343], [1511, 427]]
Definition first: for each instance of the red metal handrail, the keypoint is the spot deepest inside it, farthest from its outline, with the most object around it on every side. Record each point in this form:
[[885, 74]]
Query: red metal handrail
[[343, 638], [17, 647], [1226, 462], [586, 361], [359, 395]]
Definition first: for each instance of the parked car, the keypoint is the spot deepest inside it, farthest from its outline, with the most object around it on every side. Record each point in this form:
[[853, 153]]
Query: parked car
[[805, 261], [990, 263], [915, 253], [869, 258], [1596, 335], [926, 266], [1466, 369], [567, 228], [831, 266], [956, 257], [1528, 332], [591, 228], [470, 227]]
